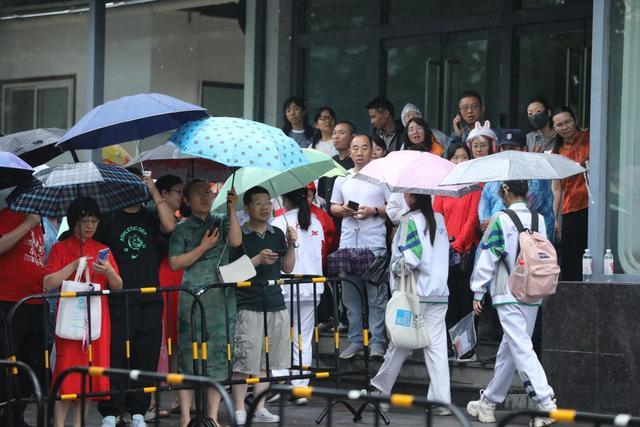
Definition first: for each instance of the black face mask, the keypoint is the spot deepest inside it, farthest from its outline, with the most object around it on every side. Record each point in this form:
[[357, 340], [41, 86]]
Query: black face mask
[[539, 120]]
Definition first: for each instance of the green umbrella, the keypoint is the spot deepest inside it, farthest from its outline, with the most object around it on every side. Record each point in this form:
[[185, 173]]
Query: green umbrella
[[278, 182]]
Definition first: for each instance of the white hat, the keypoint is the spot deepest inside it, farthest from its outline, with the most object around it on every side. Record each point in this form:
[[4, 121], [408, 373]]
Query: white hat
[[407, 108], [481, 130]]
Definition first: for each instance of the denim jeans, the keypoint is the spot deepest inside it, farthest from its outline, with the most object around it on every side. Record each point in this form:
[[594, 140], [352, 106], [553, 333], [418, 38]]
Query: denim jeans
[[377, 299]]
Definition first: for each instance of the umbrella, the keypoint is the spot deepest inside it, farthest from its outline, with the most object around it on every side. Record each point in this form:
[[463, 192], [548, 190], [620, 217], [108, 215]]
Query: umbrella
[[13, 170], [35, 147], [239, 142], [275, 181], [53, 190], [129, 118], [410, 171], [513, 165], [167, 159]]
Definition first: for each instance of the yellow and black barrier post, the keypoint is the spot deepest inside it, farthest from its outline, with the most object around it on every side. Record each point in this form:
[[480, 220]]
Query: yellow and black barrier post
[[13, 406], [571, 416]]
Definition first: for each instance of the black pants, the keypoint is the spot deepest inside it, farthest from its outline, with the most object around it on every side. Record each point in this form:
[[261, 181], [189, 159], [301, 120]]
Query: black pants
[[145, 326], [460, 295], [29, 344], [573, 243]]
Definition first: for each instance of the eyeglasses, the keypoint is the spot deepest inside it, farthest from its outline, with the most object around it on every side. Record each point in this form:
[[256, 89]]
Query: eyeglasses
[[262, 204], [564, 124], [470, 107], [480, 145], [414, 129], [325, 118]]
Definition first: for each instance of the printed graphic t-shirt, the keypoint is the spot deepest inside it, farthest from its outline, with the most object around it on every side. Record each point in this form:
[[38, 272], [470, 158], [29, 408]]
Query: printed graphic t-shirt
[[134, 241]]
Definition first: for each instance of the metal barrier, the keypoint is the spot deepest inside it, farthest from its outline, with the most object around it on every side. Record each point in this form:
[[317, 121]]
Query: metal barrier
[[359, 396], [16, 368], [570, 416], [197, 382]]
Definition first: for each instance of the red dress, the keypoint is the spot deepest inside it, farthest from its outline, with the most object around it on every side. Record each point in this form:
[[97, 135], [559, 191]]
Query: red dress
[[169, 278], [71, 352]]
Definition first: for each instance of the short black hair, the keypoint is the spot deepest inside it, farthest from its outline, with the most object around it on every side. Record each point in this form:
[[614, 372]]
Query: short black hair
[[319, 111], [363, 135], [381, 103], [167, 182], [379, 141], [348, 123], [246, 197], [82, 207], [518, 187], [470, 94], [451, 151]]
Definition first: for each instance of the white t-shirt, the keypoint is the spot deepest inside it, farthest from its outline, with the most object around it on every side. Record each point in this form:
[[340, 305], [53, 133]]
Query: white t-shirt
[[364, 233], [327, 148], [308, 252]]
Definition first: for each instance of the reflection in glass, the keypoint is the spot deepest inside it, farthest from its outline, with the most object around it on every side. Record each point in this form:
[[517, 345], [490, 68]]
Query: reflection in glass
[[405, 11], [325, 15]]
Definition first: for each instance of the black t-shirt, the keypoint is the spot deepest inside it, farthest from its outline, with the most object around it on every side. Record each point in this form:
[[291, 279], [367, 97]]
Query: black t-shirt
[[134, 240]]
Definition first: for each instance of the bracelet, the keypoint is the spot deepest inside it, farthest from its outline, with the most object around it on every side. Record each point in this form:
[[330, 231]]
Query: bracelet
[[377, 213]]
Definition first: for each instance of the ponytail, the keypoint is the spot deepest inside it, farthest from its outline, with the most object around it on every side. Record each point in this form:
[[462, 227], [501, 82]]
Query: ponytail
[[298, 198], [423, 203]]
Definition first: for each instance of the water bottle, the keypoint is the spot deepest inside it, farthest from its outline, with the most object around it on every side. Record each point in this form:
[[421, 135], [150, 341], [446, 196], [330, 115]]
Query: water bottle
[[587, 266], [608, 265]]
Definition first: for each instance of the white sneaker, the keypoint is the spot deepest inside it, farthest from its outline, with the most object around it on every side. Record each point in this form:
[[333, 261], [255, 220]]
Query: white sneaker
[[483, 409], [109, 421], [137, 420], [440, 411], [241, 417], [264, 416], [545, 421]]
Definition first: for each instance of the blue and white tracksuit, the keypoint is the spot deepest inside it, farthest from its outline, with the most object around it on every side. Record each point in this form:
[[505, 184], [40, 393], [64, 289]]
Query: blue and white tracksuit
[[500, 244], [431, 264]]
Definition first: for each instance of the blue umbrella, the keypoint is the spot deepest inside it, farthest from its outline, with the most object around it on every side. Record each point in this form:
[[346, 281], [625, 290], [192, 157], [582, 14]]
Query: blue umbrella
[[13, 170], [239, 143], [129, 118]]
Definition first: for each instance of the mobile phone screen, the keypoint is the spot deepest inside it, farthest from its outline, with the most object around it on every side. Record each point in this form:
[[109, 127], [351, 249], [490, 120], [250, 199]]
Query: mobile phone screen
[[103, 255], [353, 205]]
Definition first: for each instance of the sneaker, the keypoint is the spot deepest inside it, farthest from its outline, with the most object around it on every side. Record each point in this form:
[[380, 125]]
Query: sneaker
[[109, 421], [241, 417], [264, 416], [137, 420], [351, 351], [483, 409], [298, 401], [440, 411], [273, 398], [544, 421], [377, 351]]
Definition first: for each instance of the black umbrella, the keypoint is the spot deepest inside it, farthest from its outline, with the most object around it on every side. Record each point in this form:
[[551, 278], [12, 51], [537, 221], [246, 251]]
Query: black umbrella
[[35, 147]]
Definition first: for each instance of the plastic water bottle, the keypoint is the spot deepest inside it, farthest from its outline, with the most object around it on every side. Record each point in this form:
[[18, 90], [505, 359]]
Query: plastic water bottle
[[587, 266], [608, 265]]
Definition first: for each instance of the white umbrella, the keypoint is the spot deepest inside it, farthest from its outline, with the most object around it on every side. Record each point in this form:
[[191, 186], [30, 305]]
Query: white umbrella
[[513, 165]]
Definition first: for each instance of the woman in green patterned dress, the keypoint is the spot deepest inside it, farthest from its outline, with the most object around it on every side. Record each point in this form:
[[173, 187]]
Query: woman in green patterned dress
[[199, 246]]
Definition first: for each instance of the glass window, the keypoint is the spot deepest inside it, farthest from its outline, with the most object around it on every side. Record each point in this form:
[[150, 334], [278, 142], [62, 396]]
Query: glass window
[[223, 99], [326, 15], [623, 150], [342, 76], [405, 11], [532, 4]]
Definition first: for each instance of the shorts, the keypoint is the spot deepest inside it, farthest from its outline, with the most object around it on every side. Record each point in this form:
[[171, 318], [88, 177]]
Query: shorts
[[249, 341]]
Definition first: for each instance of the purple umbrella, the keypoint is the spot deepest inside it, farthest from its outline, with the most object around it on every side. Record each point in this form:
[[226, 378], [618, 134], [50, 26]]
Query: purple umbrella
[[13, 170]]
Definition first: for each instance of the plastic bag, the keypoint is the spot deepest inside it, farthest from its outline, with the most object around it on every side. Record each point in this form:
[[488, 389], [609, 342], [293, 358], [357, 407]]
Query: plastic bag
[[463, 335]]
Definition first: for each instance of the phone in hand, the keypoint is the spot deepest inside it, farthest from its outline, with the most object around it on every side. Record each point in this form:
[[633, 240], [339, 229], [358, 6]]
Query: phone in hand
[[282, 252], [458, 122], [103, 255], [216, 224], [353, 205]]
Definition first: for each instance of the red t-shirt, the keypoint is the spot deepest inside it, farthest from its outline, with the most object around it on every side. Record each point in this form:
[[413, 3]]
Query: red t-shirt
[[22, 267]]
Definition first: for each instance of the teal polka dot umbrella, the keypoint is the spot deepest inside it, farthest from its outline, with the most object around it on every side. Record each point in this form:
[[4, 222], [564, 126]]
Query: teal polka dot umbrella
[[239, 143]]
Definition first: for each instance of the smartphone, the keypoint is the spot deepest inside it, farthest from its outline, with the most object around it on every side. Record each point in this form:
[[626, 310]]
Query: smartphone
[[216, 224], [353, 205], [103, 255], [146, 173]]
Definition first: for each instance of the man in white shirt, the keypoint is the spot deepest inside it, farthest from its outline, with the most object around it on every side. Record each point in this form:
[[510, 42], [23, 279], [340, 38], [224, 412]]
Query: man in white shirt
[[362, 227]]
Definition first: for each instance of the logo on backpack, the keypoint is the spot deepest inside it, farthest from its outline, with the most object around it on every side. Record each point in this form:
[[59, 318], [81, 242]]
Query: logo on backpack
[[536, 271]]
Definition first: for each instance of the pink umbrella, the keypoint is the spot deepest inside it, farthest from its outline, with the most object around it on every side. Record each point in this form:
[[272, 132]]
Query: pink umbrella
[[416, 172]]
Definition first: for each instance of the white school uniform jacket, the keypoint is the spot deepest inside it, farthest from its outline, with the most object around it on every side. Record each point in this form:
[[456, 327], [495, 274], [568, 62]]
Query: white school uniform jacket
[[431, 262], [500, 242]]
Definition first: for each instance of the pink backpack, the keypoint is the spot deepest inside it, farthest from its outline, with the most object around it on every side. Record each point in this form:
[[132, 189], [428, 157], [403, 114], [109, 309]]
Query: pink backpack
[[536, 271]]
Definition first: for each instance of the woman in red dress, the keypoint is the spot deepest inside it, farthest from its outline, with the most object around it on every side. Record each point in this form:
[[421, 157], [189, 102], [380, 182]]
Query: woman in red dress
[[83, 216]]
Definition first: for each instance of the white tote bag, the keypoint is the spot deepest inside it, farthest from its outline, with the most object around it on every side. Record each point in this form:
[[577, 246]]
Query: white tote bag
[[71, 321], [403, 317]]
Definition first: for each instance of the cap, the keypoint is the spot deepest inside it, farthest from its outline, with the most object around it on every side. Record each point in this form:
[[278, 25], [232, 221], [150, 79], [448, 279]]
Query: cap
[[512, 137]]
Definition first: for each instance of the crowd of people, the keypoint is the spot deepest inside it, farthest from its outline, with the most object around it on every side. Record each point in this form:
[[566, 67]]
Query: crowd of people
[[454, 246]]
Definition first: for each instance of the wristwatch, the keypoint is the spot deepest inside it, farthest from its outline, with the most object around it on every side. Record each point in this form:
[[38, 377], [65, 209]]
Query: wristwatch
[[377, 213]]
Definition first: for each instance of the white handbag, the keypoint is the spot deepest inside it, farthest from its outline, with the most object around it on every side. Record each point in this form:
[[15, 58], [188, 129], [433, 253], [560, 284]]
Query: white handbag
[[71, 321], [403, 317]]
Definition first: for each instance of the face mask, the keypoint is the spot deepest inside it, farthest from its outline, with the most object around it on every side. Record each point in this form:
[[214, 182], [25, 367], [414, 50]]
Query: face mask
[[538, 121]]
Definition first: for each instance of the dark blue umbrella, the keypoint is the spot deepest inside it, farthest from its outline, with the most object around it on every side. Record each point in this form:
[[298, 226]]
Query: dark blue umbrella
[[13, 170], [129, 118]]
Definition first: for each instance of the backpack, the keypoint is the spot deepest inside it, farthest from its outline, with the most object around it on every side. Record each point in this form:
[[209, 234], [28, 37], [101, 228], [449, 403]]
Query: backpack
[[536, 271]]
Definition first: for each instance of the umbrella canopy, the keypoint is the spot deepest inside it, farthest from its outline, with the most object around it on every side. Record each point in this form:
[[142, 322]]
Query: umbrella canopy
[[13, 170], [513, 165], [277, 182], [238, 143], [409, 171], [53, 190], [35, 147], [130, 118], [167, 159]]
